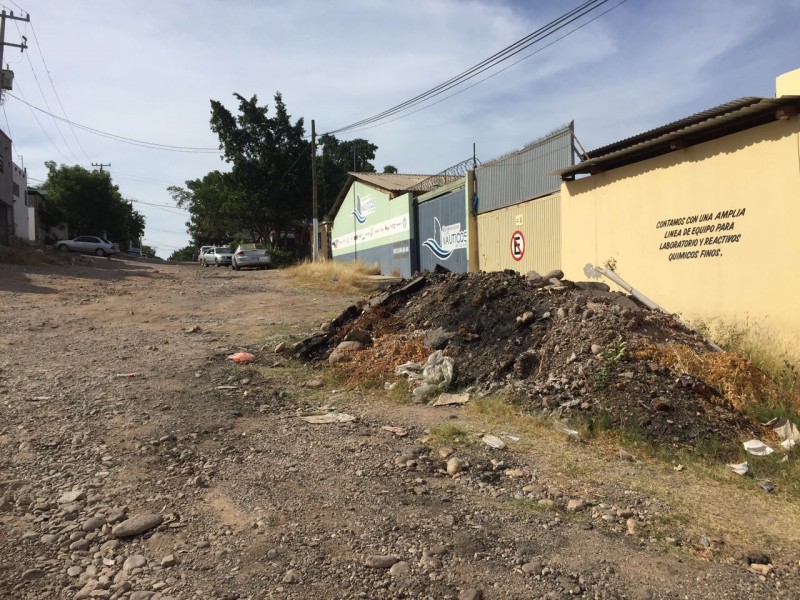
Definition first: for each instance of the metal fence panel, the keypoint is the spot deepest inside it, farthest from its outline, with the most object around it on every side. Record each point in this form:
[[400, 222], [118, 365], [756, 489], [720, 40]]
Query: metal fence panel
[[535, 224], [525, 174]]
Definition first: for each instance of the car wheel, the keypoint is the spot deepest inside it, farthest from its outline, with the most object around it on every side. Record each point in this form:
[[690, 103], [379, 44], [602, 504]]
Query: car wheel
[[99, 252], [234, 266], [63, 247], [217, 265], [205, 264]]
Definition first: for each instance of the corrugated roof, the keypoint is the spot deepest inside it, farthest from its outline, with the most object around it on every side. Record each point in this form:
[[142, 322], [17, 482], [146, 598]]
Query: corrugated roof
[[710, 124], [389, 182]]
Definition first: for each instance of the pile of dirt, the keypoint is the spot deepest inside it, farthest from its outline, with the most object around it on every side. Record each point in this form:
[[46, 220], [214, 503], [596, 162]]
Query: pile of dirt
[[574, 350]]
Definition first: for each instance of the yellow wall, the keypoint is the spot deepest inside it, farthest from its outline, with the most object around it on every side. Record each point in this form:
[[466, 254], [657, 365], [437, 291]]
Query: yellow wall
[[755, 174], [539, 223], [788, 84]]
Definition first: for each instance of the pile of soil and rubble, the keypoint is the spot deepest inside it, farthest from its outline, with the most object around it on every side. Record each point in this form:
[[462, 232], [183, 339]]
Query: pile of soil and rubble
[[570, 349]]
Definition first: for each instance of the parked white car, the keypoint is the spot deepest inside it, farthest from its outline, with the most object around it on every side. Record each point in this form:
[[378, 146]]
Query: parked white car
[[89, 244], [256, 256]]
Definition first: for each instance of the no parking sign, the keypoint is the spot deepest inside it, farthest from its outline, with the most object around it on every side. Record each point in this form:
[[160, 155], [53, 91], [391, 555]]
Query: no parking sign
[[517, 245]]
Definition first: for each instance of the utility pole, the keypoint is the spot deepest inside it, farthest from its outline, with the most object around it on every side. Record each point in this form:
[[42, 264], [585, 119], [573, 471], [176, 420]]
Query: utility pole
[[315, 227], [101, 165], [3, 16]]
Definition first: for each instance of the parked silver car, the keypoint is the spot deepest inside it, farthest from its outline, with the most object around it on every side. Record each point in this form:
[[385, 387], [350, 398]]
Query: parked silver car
[[256, 256], [217, 256], [89, 244]]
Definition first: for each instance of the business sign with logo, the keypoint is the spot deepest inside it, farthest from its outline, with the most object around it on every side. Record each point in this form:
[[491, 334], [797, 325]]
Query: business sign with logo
[[363, 208], [450, 238]]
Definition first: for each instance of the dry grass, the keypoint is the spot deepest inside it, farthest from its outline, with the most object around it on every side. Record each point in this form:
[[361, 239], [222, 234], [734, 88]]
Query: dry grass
[[758, 372], [376, 364], [334, 276], [25, 254]]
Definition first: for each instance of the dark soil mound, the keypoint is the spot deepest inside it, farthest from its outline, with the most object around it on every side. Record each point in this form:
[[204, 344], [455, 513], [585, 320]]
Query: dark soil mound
[[565, 348]]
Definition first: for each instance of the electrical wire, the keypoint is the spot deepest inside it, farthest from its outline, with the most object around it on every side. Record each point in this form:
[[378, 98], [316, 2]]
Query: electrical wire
[[494, 60], [53, 85], [498, 72], [35, 116], [119, 138]]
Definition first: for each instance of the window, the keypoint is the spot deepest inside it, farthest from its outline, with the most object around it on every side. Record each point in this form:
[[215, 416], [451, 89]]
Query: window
[[16, 189]]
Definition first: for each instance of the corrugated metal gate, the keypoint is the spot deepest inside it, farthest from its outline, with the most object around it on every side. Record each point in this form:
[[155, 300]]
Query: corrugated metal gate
[[442, 232], [526, 174], [531, 229]]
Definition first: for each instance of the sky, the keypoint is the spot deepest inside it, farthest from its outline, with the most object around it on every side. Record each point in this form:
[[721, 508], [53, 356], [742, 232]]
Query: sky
[[146, 70]]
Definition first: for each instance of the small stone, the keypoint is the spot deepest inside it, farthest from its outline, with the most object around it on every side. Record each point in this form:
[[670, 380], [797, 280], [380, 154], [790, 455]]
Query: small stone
[[761, 569], [73, 496], [141, 595], [400, 568], [79, 546], [169, 561], [93, 524], [32, 574], [136, 525], [343, 351], [470, 594], [532, 568], [757, 558], [291, 576], [134, 561], [455, 466], [631, 525], [280, 347], [596, 348], [624, 513], [74, 571], [380, 562], [576, 505]]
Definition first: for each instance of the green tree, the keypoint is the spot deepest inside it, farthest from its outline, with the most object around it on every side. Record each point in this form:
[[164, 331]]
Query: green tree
[[89, 203], [336, 160], [269, 185], [216, 214], [390, 169], [186, 253]]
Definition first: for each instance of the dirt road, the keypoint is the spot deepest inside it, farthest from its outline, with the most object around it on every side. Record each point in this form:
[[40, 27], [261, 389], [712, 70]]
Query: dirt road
[[138, 462]]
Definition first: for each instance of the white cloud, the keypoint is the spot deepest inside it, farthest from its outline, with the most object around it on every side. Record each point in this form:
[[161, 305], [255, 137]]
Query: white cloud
[[147, 70]]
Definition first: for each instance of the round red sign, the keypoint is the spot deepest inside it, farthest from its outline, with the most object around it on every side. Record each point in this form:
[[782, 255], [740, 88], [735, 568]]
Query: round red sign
[[517, 245]]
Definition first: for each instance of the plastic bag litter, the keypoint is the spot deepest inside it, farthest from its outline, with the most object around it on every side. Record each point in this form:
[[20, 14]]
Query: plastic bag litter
[[741, 468], [788, 433], [436, 374], [757, 448], [242, 357]]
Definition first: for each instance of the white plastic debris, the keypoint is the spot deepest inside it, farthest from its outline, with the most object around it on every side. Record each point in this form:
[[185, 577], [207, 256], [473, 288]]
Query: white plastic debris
[[788, 433], [446, 399], [328, 418], [740, 468], [757, 448], [493, 441], [573, 433]]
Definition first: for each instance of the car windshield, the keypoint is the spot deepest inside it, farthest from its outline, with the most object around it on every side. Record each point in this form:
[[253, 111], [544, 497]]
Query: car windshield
[[105, 241]]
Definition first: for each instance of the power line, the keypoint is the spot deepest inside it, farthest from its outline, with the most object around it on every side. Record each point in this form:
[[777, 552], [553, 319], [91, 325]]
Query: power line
[[494, 60], [506, 68], [46, 103], [53, 85], [119, 138], [35, 116]]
